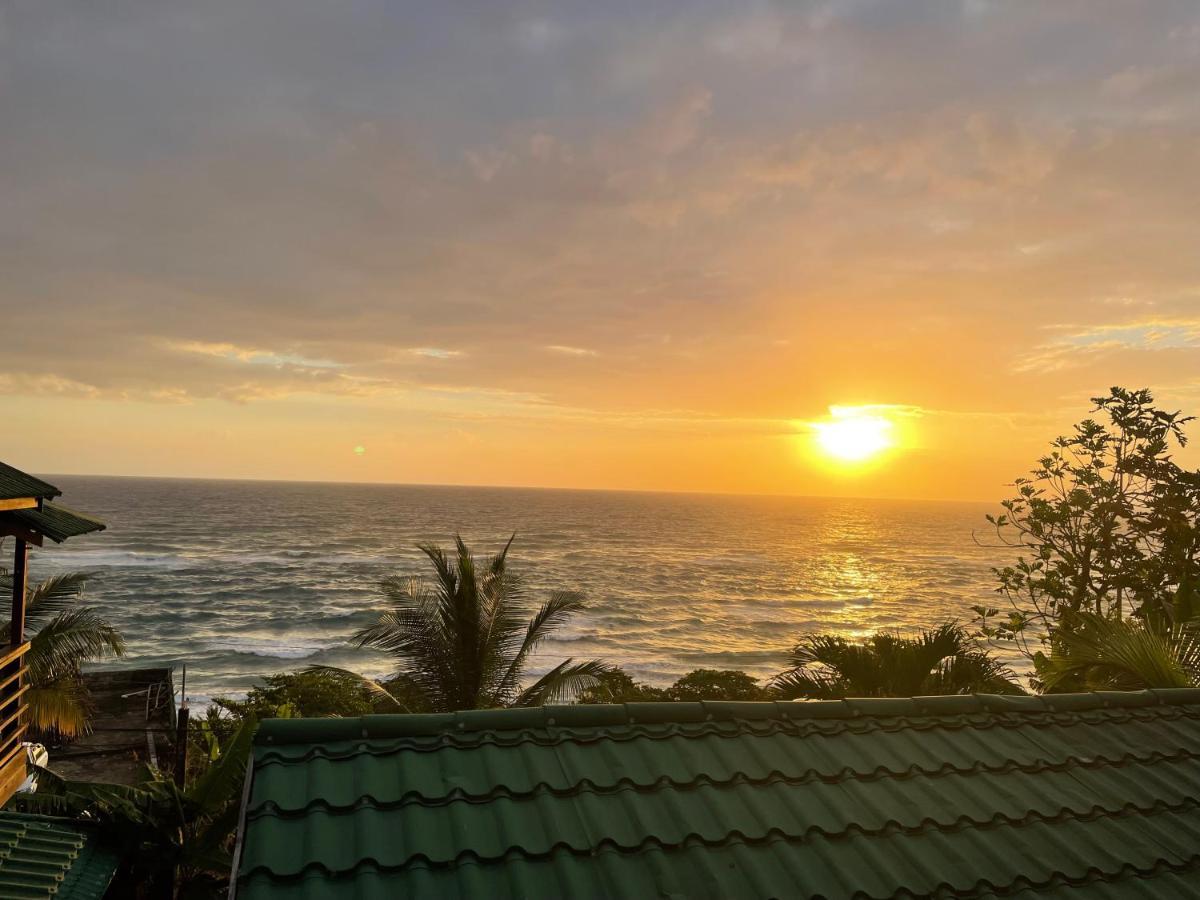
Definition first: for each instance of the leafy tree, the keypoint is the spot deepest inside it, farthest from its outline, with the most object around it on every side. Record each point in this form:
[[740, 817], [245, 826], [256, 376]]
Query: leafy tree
[[616, 686], [716, 684], [1103, 653], [62, 636], [943, 661], [1106, 523], [308, 694], [464, 640]]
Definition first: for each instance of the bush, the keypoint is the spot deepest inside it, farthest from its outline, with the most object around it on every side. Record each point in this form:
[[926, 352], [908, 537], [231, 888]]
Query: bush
[[617, 686], [716, 684]]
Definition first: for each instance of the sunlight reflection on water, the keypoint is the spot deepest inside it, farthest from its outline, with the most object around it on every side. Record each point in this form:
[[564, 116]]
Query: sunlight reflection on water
[[245, 578]]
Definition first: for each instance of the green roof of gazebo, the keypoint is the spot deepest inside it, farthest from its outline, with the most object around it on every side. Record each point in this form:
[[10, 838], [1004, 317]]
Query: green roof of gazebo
[[1074, 795], [15, 484], [55, 521]]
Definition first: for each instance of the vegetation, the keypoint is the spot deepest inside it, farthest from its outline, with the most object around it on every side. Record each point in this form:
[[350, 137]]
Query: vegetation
[[1101, 653], [167, 837], [62, 636], [1105, 591], [465, 640], [943, 661], [1106, 523], [616, 686]]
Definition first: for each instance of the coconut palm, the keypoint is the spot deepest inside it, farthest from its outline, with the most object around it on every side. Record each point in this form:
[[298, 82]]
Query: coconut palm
[[62, 636], [888, 664], [1121, 654], [465, 639]]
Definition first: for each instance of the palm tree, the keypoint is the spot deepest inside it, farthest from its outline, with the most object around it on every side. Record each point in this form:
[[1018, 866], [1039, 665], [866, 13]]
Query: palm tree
[[465, 640], [64, 635], [942, 661], [1121, 654]]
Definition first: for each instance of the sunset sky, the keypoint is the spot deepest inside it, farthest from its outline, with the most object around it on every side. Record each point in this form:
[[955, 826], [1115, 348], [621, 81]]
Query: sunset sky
[[643, 245]]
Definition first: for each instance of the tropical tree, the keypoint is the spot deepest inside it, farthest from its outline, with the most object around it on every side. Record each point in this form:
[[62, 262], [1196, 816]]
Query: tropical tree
[[1099, 653], [1106, 523], [465, 639], [63, 636], [942, 661]]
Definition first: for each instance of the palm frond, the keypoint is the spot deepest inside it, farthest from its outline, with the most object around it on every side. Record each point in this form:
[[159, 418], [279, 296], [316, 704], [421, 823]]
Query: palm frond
[[376, 689], [70, 638], [553, 614], [943, 660], [1124, 654], [59, 707], [563, 683], [52, 596]]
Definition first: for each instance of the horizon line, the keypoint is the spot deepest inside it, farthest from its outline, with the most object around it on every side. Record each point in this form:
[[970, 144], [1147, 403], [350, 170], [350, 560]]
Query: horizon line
[[517, 487]]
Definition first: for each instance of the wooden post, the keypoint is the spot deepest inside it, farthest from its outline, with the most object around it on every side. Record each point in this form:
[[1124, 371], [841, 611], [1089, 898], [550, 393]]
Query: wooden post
[[181, 748], [16, 634]]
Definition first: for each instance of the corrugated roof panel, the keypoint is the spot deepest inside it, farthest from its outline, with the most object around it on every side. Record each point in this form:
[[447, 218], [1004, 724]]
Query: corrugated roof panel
[[44, 857], [55, 521], [14, 484], [961, 795]]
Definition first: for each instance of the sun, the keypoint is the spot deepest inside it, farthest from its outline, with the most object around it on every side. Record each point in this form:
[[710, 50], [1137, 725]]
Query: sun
[[852, 436]]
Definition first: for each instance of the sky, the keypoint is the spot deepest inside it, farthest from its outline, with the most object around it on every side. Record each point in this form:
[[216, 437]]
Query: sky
[[600, 245]]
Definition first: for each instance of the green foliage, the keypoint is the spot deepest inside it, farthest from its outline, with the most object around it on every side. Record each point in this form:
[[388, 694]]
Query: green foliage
[[163, 832], [943, 661], [716, 684], [616, 686], [1099, 653], [464, 640], [62, 636], [1106, 523], [307, 694]]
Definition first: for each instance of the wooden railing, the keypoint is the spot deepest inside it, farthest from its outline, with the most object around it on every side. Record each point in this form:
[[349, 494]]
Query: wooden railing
[[13, 724]]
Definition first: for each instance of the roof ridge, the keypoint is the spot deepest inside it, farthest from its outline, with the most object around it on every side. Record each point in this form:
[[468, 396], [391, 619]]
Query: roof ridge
[[583, 723], [772, 835]]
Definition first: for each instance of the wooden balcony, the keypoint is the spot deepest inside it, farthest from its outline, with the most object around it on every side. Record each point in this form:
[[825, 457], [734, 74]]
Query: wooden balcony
[[13, 724]]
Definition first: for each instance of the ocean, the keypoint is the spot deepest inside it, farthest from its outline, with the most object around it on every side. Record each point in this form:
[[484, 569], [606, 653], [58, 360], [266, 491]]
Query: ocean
[[237, 579]]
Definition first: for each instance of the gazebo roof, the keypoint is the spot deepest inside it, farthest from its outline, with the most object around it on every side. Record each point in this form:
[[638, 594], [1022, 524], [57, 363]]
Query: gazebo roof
[[54, 521], [37, 517], [15, 484]]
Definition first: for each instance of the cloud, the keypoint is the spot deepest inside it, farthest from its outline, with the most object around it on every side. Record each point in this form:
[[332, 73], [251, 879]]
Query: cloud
[[389, 210], [1077, 346]]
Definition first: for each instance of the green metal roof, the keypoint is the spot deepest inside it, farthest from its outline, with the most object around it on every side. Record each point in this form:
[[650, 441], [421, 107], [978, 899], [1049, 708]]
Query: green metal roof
[[54, 521], [14, 483], [43, 857], [1075, 795]]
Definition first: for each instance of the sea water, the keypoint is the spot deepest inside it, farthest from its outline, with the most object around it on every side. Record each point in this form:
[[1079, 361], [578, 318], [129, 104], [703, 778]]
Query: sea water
[[237, 579]]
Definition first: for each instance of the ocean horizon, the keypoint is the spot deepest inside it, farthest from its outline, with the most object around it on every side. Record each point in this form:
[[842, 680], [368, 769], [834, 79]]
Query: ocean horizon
[[236, 579]]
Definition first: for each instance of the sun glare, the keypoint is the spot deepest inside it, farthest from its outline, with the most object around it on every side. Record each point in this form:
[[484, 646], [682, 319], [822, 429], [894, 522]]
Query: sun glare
[[852, 436]]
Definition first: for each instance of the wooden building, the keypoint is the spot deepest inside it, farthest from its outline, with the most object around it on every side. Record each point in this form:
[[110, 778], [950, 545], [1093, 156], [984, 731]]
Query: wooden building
[[28, 517]]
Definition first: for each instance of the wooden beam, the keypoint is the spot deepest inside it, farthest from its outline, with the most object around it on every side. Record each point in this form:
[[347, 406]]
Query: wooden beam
[[19, 503], [20, 577]]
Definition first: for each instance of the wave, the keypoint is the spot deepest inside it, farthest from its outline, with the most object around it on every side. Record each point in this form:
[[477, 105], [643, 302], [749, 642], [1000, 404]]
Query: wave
[[291, 648]]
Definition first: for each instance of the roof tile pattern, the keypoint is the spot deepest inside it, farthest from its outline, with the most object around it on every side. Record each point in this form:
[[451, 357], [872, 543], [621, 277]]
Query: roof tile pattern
[[43, 857], [54, 521], [15, 484], [1071, 795]]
